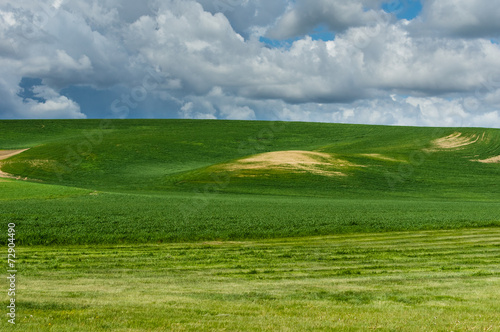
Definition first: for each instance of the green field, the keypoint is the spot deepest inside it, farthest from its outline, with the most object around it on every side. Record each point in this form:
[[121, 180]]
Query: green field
[[196, 225], [409, 281]]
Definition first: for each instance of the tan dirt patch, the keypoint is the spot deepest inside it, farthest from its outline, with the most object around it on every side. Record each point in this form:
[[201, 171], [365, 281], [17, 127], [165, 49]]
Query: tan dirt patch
[[4, 154], [455, 141], [492, 160], [293, 161], [381, 157]]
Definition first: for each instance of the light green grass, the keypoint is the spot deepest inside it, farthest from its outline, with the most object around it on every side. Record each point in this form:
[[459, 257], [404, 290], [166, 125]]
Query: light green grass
[[406, 281]]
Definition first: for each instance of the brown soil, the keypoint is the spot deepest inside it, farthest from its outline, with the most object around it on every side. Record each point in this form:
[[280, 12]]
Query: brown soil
[[455, 141], [381, 157], [293, 161], [4, 154], [492, 160]]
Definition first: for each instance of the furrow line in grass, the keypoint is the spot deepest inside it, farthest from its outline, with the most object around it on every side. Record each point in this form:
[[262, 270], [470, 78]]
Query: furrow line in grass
[[492, 241], [481, 237], [424, 238], [407, 247]]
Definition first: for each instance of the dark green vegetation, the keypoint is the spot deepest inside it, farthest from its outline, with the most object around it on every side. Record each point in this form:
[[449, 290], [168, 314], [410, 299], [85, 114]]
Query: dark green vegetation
[[409, 281], [84, 217], [126, 181]]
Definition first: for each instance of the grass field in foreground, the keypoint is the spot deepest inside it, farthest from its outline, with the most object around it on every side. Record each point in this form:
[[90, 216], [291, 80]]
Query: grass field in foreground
[[406, 281]]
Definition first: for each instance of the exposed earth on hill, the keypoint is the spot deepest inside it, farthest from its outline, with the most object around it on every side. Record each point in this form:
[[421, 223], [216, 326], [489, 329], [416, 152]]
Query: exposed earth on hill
[[4, 154]]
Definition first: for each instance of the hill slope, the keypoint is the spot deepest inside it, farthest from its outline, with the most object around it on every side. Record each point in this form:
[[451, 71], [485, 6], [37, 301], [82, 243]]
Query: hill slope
[[140, 181], [332, 160]]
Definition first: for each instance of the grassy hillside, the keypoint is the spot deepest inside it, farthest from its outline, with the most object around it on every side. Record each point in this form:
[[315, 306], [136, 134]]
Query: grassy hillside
[[93, 181], [184, 155]]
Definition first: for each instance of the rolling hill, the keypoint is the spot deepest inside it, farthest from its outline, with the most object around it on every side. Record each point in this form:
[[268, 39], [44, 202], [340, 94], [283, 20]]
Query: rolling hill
[[202, 179], [289, 158]]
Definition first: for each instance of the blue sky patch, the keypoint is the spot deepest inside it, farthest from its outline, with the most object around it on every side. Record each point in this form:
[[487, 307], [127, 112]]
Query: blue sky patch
[[322, 33], [91, 101], [275, 43], [26, 85], [403, 9]]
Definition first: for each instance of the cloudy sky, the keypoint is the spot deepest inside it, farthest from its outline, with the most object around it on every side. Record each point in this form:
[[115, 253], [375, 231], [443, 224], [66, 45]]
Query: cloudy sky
[[396, 62]]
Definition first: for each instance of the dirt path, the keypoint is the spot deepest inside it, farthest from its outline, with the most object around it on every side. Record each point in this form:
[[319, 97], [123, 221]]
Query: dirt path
[[4, 154]]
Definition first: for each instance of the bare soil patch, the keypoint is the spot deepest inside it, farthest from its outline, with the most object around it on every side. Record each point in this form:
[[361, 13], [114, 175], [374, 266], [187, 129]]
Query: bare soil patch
[[4, 154], [381, 157], [492, 160], [293, 161], [455, 141]]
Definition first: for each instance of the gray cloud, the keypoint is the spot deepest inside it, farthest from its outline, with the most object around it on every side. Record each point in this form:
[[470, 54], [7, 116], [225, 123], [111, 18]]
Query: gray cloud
[[247, 17], [459, 18], [337, 15]]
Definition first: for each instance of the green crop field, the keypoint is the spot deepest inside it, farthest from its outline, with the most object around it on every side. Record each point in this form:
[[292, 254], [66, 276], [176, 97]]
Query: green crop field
[[192, 225]]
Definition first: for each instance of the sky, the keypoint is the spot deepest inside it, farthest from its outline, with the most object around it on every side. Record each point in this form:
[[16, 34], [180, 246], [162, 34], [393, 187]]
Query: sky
[[396, 62]]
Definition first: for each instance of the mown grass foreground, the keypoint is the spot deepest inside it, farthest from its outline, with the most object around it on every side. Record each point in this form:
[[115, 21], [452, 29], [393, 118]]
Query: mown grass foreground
[[405, 281]]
